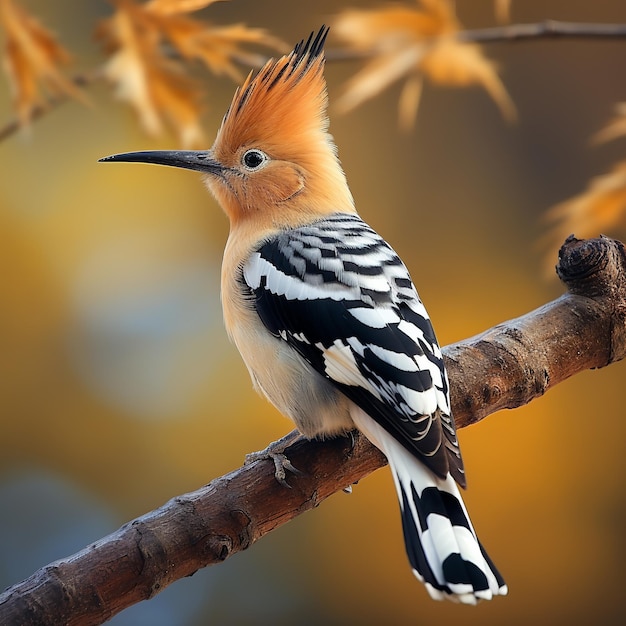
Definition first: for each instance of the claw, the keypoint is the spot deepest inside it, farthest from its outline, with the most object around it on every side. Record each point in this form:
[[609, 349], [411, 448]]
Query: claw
[[275, 452], [282, 463]]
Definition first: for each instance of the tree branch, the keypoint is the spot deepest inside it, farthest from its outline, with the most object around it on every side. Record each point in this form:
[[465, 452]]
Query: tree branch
[[505, 367], [513, 363], [548, 29], [51, 103]]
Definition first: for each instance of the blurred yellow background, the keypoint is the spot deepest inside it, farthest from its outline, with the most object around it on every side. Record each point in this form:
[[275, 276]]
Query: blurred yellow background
[[119, 389]]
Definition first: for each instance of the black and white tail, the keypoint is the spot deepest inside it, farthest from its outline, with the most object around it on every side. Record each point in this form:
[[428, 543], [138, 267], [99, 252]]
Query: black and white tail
[[441, 544]]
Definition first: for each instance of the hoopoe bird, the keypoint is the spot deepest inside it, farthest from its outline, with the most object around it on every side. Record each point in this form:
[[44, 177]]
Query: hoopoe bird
[[325, 314]]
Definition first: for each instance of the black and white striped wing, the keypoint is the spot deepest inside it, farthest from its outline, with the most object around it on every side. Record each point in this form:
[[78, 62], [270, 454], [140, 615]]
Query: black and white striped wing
[[340, 296]]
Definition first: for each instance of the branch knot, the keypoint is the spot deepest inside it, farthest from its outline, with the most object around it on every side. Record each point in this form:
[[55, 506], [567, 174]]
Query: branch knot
[[585, 266]]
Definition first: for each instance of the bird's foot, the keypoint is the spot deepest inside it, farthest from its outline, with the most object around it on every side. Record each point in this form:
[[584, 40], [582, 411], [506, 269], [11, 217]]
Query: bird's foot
[[276, 452]]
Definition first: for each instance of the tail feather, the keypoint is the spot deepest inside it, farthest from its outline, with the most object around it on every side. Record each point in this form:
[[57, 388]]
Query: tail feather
[[441, 544]]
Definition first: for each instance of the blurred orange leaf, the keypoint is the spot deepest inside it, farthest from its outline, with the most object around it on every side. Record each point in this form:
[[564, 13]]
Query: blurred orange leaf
[[601, 206], [414, 42], [592, 212], [152, 78], [171, 7], [503, 11], [32, 57], [143, 76], [615, 128], [218, 47]]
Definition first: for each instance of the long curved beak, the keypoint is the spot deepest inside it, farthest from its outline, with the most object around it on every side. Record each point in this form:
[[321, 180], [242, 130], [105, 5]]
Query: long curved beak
[[200, 161]]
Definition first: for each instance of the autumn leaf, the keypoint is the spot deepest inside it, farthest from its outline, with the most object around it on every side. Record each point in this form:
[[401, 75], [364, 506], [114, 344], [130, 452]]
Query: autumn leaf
[[595, 211], [31, 59], [414, 43], [148, 44], [615, 128], [503, 11], [154, 85], [601, 206], [218, 47], [174, 7]]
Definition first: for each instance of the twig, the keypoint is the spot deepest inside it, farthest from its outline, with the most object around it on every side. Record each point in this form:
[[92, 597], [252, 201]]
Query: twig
[[507, 366], [52, 102], [549, 29]]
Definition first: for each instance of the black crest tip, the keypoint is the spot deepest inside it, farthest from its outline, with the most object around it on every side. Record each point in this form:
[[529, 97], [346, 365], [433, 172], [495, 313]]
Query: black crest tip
[[314, 45]]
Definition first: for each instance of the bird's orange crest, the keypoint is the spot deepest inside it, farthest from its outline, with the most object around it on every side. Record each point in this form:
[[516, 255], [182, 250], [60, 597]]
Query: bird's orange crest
[[285, 100]]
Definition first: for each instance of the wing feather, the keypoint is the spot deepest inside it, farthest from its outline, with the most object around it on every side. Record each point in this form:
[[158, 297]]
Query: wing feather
[[340, 296]]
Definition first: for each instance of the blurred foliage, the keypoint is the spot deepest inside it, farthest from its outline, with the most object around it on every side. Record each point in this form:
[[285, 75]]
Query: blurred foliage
[[420, 41], [602, 205], [119, 390], [144, 43]]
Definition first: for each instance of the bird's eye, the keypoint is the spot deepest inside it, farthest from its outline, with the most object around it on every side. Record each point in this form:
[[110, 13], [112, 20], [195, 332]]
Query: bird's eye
[[254, 159]]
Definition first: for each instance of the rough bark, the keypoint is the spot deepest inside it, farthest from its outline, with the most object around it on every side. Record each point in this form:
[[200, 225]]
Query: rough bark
[[512, 363], [504, 367]]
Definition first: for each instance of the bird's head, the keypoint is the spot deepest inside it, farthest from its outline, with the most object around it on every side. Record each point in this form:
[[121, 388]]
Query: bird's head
[[273, 159]]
